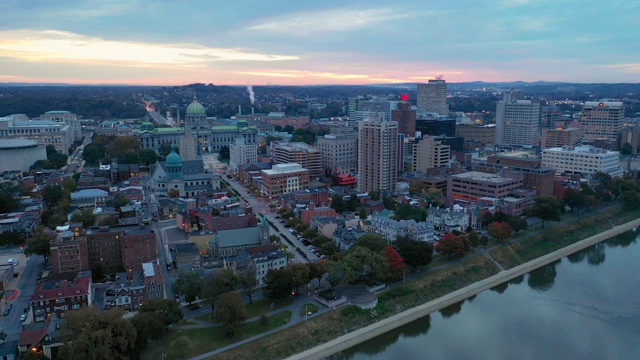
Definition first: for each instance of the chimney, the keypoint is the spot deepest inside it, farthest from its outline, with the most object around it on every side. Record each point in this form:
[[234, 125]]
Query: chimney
[[239, 109], [252, 110]]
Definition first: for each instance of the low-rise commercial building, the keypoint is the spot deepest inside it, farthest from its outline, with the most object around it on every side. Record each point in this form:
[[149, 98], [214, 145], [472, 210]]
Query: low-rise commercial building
[[582, 160], [284, 178]]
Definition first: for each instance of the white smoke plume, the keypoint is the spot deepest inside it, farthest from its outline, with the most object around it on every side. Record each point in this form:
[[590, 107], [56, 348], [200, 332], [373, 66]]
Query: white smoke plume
[[252, 96]]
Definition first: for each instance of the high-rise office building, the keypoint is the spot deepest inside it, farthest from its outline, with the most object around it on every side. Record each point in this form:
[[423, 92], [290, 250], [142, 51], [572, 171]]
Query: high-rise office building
[[339, 152], [550, 116], [405, 116], [517, 121], [602, 120], [432, 97], [377, 154]]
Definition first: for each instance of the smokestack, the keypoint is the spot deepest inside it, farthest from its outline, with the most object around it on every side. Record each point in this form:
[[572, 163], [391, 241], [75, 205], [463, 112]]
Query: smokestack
[[239, 109], [252, 112]]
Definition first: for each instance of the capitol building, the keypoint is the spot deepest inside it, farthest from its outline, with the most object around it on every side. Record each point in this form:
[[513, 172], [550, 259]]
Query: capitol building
[[197, 136]]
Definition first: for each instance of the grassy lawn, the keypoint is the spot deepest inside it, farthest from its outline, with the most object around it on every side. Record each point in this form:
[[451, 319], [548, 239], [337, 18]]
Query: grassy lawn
[[329, 325], [211, 338], [256, 309], [308, 307]]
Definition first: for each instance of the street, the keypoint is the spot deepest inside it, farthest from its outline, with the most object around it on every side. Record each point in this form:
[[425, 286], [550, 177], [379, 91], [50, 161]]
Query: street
[[26, 286]]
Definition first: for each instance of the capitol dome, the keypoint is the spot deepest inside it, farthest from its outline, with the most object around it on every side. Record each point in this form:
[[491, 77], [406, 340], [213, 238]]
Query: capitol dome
[[195, 108]]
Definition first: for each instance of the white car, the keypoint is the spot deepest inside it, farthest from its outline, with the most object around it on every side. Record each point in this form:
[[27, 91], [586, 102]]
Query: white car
[[23, 317]]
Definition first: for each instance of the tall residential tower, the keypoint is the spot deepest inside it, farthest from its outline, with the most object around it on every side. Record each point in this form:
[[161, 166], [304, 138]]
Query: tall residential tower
[[377, 154]]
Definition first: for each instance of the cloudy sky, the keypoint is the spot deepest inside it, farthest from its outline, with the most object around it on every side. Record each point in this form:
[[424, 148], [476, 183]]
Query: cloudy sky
[[169, 42]]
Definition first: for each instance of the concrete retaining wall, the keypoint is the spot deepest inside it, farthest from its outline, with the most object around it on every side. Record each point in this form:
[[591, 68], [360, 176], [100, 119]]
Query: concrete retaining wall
[[390, 323]]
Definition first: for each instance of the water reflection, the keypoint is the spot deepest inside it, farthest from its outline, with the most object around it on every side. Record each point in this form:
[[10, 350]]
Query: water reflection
[[380, 343], [584, 308], [542, 279], [451, 310]]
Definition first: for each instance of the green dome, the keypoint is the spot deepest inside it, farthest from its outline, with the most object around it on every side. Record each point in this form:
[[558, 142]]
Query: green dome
[[173, 158], [147, 126], [195, 108]]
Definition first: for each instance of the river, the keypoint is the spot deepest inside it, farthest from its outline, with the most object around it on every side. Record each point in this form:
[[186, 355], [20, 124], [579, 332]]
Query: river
[[584, 306]]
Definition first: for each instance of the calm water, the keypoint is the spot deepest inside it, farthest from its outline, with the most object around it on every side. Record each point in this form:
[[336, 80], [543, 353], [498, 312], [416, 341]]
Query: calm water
[[585, 306]]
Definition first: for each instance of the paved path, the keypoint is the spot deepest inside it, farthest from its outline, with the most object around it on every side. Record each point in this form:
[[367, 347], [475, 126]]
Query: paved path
[[385, 325], [382, 325], [296, 318]]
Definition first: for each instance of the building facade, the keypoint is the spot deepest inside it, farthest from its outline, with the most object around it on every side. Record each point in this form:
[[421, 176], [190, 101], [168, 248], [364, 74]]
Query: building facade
[[339, 152], [517, 121], [405, 116], [69, 251], [432, 97], [284, 178], [559, 137], [377, 155], [582, 160], [61, 293], [484, 134], [44, 132], [602, 119], [429, 153], [300, 153], [65, 117], [473, 185], [20, 154], [241, 153]]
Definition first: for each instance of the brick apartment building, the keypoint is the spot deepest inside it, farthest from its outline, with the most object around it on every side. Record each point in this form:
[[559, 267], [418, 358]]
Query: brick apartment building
[[60, 293]]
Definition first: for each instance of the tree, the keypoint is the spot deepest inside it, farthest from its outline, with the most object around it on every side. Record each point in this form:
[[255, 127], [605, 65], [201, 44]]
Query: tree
[[92, 153], [389, 202], [89, 334], [517, 223], [630, 200], [373, 242], [122, 145], [362, 263], [545, 208], [118, 201], [51, 195], [576, 200], [299, 275], [278, 283], [433, 196], [7, 203], [86, 217], [316, 271], [415, 253], [69, 184], [500, 216], [230, 312], [180, 348], [224, 152], [147, 157], [30, 355], [337, 203], [168, 311], [173, 193], [222, 281], [247, 283], [40, 243], [500, 231], [189, 284], [626, 149], [148, 327], [450, 244], [395, 262], [487, 219], [474, 238]]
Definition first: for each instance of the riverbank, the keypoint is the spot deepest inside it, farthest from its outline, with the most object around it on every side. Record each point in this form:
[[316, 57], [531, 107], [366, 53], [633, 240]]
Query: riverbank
[[382, 326]]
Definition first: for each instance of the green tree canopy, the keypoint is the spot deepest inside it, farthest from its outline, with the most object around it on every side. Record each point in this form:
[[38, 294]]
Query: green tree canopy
[[545, 208], [247, 283], [517, 223], [278, 283], [85, 216], [373, 242], [89, 334], [189, 284], [40, 243], [220, 282], [230, 312], [168, 311], [147, 157], [415, 253]]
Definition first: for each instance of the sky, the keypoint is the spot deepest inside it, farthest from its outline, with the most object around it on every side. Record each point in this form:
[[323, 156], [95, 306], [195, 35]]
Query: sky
[[293, 42]]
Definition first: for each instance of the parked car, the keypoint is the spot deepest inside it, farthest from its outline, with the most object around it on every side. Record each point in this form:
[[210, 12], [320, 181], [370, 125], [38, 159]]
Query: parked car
[[23, 317]]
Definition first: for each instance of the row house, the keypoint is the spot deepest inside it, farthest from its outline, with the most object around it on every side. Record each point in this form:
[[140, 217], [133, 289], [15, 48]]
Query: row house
[[391, 229], [61, 293]]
